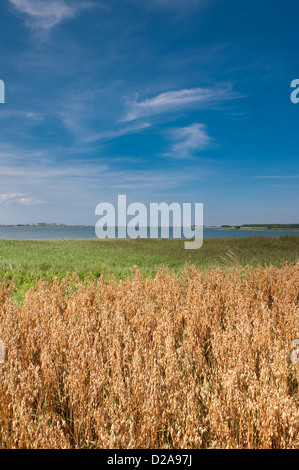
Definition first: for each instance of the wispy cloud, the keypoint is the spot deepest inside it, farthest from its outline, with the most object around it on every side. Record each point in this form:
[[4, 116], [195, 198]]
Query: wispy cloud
[[44, 15], [173, 100], [22, 115], [114, 134], [19, 198], [80, 114], [50, 170], [188, 140]]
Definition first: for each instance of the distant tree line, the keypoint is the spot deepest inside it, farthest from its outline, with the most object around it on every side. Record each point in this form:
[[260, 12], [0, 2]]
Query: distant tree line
[[268, 226], [290, 226]]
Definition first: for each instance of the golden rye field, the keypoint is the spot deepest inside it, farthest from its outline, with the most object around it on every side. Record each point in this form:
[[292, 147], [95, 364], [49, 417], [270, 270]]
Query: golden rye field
[[196, 360]]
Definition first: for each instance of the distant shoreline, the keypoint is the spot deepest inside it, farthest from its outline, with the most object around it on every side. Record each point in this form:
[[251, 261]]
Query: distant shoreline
[[44, 226], [256, 228], [251, 228], [222, 228]]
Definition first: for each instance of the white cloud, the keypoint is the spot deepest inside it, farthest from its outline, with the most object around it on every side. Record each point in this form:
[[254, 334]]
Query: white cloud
[[173, 100], [188, 140], [44, 15], [19, 198], [50, 171], [21, 115], [114, 134]]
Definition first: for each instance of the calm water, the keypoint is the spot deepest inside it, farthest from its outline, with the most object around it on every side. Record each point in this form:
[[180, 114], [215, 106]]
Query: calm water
[[42, 233]]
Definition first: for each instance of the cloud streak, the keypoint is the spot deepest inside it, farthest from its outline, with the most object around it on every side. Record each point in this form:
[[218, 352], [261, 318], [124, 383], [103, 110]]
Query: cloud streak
[[114, 134], [44, 15], [174, 100], [19, 198]]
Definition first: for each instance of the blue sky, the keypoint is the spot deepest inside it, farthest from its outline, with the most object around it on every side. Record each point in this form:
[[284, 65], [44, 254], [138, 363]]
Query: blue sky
[[161, 100]]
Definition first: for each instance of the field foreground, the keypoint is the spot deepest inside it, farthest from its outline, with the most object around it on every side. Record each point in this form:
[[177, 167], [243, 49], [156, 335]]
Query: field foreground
[[191, 360], [25, 261]]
